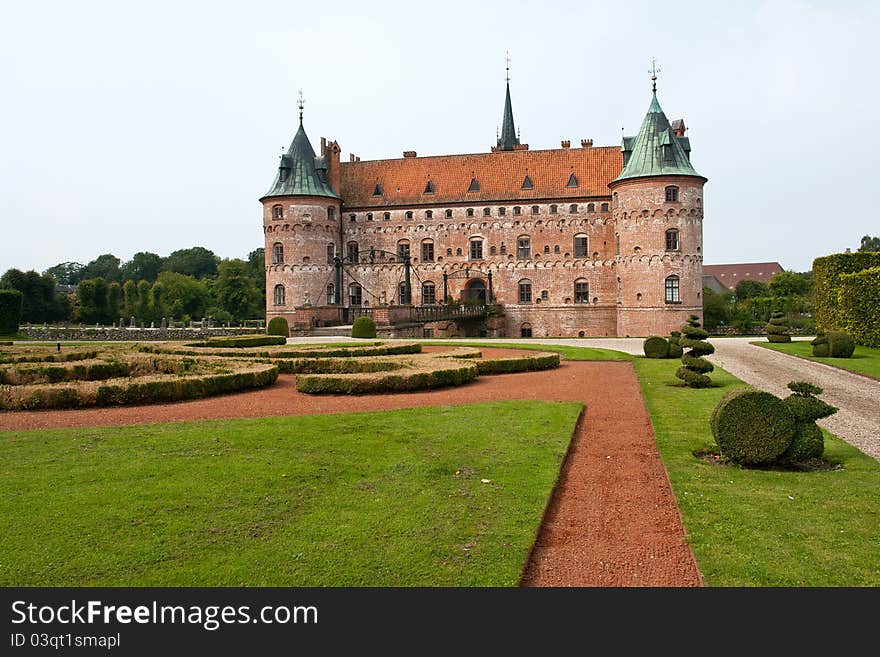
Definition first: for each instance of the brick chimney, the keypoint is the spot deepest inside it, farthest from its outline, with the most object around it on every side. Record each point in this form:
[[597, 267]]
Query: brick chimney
[[409, 154], [586, 143], [566, 143]]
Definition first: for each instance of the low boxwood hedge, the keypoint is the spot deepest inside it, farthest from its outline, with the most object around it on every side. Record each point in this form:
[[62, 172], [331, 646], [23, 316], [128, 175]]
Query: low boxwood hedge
[[387, 349], [241, 341], [438, 374], [531, 363]]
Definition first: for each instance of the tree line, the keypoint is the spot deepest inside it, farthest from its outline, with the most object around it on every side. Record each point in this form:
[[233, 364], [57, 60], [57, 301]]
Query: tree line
[[186, 284]]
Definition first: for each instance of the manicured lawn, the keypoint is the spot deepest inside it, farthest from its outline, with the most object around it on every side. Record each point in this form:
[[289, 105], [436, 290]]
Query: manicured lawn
[[568, 353], [756, 527], [865, 360], [392, 498]]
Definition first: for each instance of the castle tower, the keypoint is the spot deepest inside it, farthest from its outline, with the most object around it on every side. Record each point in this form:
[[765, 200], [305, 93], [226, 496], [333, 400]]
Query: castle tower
[[657, 208], [301, 219]]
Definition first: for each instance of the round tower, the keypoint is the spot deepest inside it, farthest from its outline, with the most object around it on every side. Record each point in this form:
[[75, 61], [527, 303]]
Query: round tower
[[657, 207], [301, 227]]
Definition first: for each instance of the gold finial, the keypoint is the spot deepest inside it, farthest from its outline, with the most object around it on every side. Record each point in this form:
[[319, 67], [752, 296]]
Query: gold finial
[[654, 71], [507, 65], [299, 103]]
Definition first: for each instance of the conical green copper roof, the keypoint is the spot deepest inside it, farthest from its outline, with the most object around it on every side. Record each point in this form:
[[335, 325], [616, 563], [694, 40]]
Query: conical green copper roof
[[298, 173], [656, 151], [508, 132]]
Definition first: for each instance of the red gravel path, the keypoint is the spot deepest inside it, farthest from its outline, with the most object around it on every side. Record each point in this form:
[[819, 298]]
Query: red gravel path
[[612, 519]]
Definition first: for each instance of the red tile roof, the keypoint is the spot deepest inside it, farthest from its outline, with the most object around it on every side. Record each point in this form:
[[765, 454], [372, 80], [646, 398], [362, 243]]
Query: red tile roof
[[500, 176], [730, 275]]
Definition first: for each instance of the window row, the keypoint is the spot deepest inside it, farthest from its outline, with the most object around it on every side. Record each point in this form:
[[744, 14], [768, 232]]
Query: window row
[[517, 211], [474, 186]]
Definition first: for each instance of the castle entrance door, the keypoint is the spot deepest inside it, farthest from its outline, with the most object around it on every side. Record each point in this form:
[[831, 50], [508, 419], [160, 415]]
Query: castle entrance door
[[474, 290]]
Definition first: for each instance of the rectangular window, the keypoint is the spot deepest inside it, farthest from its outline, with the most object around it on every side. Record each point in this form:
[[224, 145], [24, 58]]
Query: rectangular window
[[672, 240], [403, 250], [476, 249], [428, 295], [525, 292], [331, 253], [582, 292], [672, 194], [523, 248], [580, 247], [672, 290], [352, 252], [427, 251], [354, 295]]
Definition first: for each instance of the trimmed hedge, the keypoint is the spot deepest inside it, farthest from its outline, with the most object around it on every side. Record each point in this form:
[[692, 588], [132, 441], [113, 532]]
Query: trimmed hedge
[[43, 355], [656, 347], [336, 365], [840, 345], [820, 346], [777, 328], [305, 352], [5, 343], [443, 373], [363, 327], [278, 326], [827, 285], [241, 341], [34, 374], [10, 311], [532, 363], [808, 443], [752, 426], [859, 305]]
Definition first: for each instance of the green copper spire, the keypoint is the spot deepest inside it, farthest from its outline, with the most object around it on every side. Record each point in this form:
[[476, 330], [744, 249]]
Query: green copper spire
[[300, 173], [657, 150], [508, 137]]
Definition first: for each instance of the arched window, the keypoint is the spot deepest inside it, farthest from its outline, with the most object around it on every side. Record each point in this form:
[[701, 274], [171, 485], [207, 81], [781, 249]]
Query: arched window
[[525, 291], [429, 294], [525, 330], [523, 247], [492, 250], [427, 251], [402, 297], [503, 250], [614, 199], [672, 194], [475, 251], [277, 253], [278, 296], [502, 212], [591, 207], [535, 209], [331, 295], [517, 211], [546, 248], [487, 212], [604, 207], [449, 214], [672, 239], [545, 295], [458, 251], [369, 216], [581, 291], [470, 212], [403, 249], [355, 295], [352, 255], [429, 214], [331, 253], [553, 209], [573, 208], [581, 246], [448, 252], [277, 212], [672, 290], [386, 216], [409, 215]]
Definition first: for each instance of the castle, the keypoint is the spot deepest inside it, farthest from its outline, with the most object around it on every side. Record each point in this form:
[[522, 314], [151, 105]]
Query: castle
[[589, 241]]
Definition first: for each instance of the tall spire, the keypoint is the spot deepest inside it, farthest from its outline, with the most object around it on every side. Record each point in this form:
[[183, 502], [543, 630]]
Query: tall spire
[[508, 137], [299, 103]]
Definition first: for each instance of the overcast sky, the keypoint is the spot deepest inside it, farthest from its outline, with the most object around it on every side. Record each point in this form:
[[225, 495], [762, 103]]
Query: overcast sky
[[156, 125]]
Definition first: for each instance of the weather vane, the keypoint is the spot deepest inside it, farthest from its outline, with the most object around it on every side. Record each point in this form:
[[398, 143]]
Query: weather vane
[[654, 71], [507, 65], [299, 103]]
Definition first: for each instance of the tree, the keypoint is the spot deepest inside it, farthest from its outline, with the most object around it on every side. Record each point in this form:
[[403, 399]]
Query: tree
[[114, 299], [788, 284], [129, 299], [105, 267], [66, 273], [257, 262], [143, 309], [143, 266], [10, 311], [870, 243], [236, 291], [91, 300], [180, 296], [716, 308], [197, 262], [747, 289], [38, 291]]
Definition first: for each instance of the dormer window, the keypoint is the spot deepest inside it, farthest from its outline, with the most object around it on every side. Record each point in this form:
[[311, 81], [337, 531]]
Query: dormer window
[[282, 173], [378, 191], [474, 186], [277, 212], [672, 194], [429, 188], [668, 153], [527, 183], [572, 181]]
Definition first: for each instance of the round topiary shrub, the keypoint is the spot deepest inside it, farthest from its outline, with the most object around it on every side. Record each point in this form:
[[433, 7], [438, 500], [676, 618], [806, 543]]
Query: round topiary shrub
[[820, 346], [840, 345], [278, 326], [656, 347], [808, 443], [695, 370], [363, 327], [777, 328], [752, 427]]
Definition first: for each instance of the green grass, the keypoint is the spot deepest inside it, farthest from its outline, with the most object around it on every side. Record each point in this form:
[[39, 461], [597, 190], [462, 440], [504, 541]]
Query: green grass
[[865, 360], [568, 353], [391, 498], [761, 527]]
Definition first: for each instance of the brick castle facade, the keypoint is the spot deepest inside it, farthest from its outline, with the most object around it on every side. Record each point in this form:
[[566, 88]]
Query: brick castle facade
[[584, 241]]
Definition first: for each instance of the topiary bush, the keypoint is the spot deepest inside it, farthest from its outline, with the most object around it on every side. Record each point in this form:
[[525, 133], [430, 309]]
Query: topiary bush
[[278, 326], [695, 367], [777, 328], [808, 442], [820, 346], [840, 345], [363, 327], [656, 347], [675, 350], [10, 311], [752, 427]]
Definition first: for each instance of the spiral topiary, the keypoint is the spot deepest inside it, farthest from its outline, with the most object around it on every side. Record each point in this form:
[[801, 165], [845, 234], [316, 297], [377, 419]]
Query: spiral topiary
[[278, 326], [656, 347], [752, 427], [363, 327], [695, 370], [820, 346], [777, 328], [840, 345]]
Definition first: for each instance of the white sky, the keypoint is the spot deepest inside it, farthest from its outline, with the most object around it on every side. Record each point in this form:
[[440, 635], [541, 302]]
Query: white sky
[[132, 126]]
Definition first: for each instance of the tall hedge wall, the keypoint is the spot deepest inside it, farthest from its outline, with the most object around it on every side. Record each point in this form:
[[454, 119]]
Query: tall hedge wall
[[826, 284], [10, 311], [859, 305]]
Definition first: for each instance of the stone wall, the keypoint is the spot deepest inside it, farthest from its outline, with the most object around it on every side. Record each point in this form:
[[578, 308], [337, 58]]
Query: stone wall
[[115, 334]]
